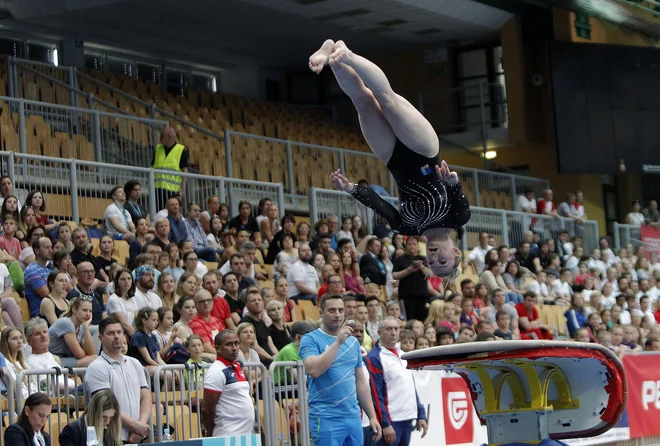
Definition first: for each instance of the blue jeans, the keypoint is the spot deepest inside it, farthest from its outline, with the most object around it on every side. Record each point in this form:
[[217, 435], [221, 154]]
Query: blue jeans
[[206, 254], [368, 436], [311, 297], [403, 430], [513, 297], [336, 432]]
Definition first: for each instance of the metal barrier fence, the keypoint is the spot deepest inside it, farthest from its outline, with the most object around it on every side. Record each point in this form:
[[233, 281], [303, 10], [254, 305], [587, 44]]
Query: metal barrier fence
[[40, 128], [626, 235], [507, 226], [76, 189], [290, 423]]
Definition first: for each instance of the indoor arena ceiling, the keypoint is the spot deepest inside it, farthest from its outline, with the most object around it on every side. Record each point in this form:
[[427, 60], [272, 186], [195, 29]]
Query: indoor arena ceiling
[[275, 32]]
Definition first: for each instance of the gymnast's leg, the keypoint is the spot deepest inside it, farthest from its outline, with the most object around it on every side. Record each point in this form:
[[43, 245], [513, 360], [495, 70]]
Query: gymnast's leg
[[375, 128], [408, 124]]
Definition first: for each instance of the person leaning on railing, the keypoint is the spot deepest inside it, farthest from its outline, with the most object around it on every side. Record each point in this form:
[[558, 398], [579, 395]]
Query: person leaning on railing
[[169, 155]]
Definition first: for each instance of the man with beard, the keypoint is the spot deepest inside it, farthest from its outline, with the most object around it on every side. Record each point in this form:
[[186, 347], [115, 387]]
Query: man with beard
[[302, 277], [333, 360], [144, 285]]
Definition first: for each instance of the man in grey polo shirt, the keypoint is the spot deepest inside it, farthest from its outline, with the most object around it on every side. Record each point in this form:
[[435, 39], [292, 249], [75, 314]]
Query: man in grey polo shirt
[[125, 377]]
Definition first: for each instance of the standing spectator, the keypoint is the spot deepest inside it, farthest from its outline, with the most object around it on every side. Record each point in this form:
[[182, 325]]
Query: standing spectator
[[635, 217], [545, 206], [144, 286], [255, 305], [29, 430], [116, 219], [36, 274], [477, 256], [70, 338], [227, 408], [85, 273], [528, 319], [651, 214], [178, 231], [372, 269], [195, 232], [81, 253], [393, 387], [579, 205], [127, 380], [410, 271], [169, 155], [526, 202], [303, 278], [568, 208], [203, 323], [333, 360], [133, 189], [245, 220]]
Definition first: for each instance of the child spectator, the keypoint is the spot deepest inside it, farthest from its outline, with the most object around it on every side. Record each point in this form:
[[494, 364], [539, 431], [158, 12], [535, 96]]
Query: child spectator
[[617, 340], [562, 287], [429, 332], [485, 336], [576, 315], [144, 343], [448, 317], [407, 340], [444, 336], [630, 336], [539, 286], [8, 242], [435, 314], [594, 324], [465, 334], [480, 299], [468, 317], [503, 321], [582, 335], [421, 342], [195, 347], [416, 326]]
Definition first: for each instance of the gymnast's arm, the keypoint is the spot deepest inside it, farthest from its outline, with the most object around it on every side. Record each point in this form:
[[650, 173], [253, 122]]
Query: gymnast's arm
[[369, 198], [459, 203]]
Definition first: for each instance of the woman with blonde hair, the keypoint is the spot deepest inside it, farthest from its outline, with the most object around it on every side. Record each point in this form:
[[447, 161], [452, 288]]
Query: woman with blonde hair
[[103, 414], [11, 347], [435, 313], [166, 290]]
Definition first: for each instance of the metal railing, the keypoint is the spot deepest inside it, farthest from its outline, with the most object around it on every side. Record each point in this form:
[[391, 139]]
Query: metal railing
[[507, 226], [40, 128], [75, 189], [294, 164], [625, 234]]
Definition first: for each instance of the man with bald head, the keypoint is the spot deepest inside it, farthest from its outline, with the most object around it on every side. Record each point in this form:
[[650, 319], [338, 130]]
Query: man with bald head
[[169, 155]]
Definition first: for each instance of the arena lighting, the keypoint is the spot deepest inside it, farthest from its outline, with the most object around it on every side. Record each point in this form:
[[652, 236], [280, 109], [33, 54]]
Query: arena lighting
[[489, 154]]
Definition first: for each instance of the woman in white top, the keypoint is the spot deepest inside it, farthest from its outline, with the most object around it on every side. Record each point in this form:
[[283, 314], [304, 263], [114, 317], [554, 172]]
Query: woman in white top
[[287, 256], [11, 346], [270, 225], [117, 220], [215, 236], [246, 354], [635, 217], [262, 209], [184, 311], [346, 225], [121, 303]]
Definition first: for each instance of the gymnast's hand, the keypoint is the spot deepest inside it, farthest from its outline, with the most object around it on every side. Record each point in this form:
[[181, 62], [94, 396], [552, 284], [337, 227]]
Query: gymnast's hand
[[446, 175], [340, 182]]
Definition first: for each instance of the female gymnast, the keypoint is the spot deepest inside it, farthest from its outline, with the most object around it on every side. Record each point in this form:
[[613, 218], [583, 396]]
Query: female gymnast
[[430, 196]]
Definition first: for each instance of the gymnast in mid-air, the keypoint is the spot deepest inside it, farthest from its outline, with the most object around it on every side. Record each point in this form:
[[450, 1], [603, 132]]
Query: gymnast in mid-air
[[431, 201]]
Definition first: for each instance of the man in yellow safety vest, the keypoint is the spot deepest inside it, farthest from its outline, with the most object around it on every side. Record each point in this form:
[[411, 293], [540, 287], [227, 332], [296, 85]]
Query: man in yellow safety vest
[[172, 156]]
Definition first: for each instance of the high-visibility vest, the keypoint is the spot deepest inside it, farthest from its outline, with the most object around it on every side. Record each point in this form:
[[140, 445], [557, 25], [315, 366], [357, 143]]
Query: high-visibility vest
[[169, 162]]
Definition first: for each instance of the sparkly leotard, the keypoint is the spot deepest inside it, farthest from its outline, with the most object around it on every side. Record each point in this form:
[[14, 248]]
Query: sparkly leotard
[[426, 201]]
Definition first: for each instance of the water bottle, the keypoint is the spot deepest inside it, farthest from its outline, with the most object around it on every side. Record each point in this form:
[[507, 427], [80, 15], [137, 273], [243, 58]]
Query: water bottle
[[91, 436], [166, 435]]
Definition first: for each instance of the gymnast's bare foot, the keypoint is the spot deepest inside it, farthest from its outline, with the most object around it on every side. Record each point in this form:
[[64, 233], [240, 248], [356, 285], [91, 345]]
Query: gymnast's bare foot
[[341, 53], [318, 60]]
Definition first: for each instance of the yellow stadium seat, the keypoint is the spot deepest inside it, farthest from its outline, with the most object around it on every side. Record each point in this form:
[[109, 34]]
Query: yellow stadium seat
[[310, 310]]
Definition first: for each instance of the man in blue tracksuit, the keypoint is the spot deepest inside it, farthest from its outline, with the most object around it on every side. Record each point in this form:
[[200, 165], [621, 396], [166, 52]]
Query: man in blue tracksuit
[[397, 404]]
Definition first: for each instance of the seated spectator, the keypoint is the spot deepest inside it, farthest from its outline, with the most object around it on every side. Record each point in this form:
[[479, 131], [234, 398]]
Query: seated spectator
[[144, 343], [282, 295], [11, 347], [372, 269], [493, 279], [247, 340], [568, 208], [242, 236], [526, 202], [70, 336], [7, 240], [142, 237], [117, 220], [84, 289], [545, 206], [203, 323], [105, 259], [528, 319], [562, 287], [187, 285], [303, 278], [287, 255], [245, 220], [36, 274], [121, 303], [279, 332], [513, 278], [144, 285], [186, 246], [132, 190], [166, 290], [221, 308], [269, 225], [103, 414], [358, 231], [236, 305], [217, 239], [7, 189], [477, 256], [195, 233], [56, 302], [29, 429], [264, 346], [64, 235], [576, 316], [27, 221], [275, 246], [468, 316], [176, 264], [81, 253], [352, 279], [635, 217], [36, 333], [332, 285], [35, 200], [212, 209], [345, 233], [162, 236]]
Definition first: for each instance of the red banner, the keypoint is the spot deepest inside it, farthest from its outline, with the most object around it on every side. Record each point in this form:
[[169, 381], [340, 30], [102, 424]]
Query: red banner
[[643, 374], [650, 236]]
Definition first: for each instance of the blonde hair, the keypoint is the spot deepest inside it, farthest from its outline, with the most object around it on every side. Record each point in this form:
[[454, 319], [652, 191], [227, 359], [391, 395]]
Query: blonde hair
[[436, 313], [101, 401], [168, 301], [17, 360], [182, 280]]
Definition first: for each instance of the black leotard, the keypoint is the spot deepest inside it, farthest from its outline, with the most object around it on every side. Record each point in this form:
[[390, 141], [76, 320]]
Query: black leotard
[[425, 201]]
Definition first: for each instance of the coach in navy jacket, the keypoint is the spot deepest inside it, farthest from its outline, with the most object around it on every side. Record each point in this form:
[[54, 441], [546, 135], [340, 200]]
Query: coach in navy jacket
[[393, 388]]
